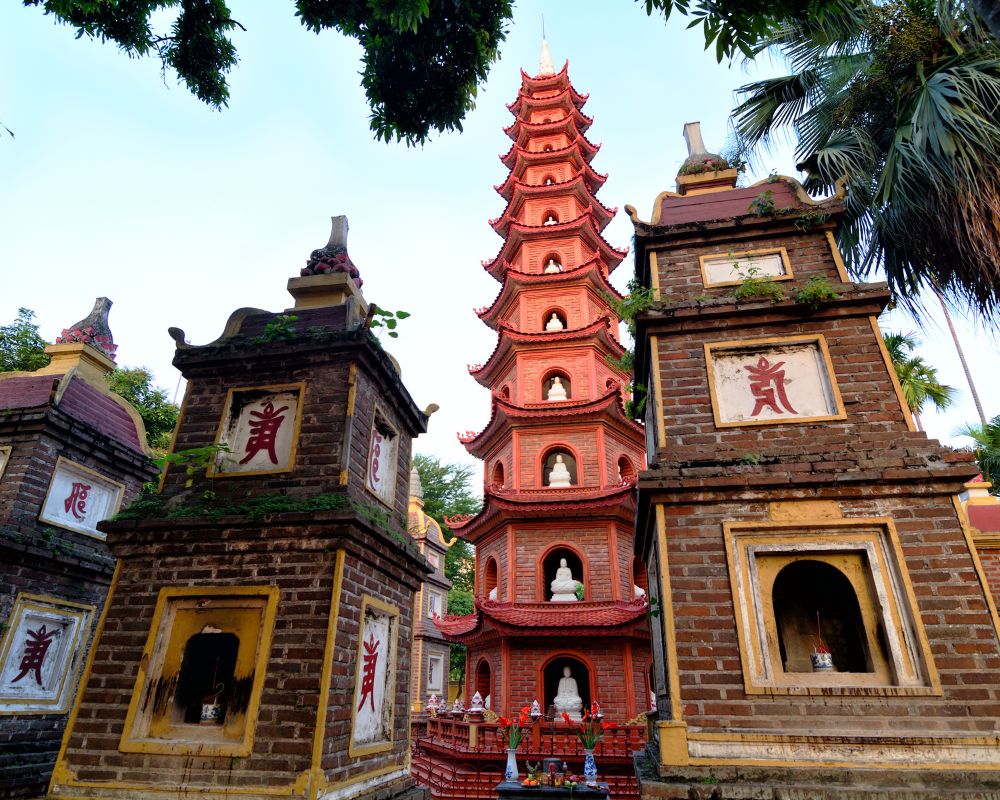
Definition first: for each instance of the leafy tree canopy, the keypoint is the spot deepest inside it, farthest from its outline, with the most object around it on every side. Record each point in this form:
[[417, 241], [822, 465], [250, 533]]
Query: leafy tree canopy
[[158, 414], [21, 346], [898, 99], [917, 378], [423, 59], [986, 448]]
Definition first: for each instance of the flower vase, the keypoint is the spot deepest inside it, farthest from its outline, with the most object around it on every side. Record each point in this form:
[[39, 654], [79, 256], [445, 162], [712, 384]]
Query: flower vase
[[589, 767], [510, 774], [822, 660]]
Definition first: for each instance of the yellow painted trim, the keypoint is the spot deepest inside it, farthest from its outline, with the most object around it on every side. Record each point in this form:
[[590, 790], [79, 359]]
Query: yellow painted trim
[[173, 438], [654, 355], [319, 733], [131, 743], [818, 338], [654, 275], [352, 387], [667, 611], [26, 601], [118, 504], [354, 751], [980, 573], [897, 388], [787, 276], [296, 428], [838, 259], [673, 740], [5, 452], [818, 527], [85, 678]]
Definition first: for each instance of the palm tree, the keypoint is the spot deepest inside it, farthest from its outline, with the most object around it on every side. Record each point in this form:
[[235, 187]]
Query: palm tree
[[986, 449], [899, 100], [917, 378]]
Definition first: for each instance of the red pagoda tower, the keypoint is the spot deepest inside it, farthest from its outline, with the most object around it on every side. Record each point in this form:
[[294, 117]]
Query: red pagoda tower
[[558, 594]]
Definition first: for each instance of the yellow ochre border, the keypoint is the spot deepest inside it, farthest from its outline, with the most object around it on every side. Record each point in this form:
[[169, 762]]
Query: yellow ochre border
[[131, 744], [353, 750], [817, 338], [40, 602], [317, 776], [60, 773], [667, 610], [826, 525], [103, 478], [770, 251], [963, 519], [301, 386], [657, 389]]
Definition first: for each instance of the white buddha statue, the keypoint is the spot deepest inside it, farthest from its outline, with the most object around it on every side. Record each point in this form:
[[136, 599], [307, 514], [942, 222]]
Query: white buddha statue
[[557, 392], [559, 477], [638, 592], [568, 696], [564, 586], [554, 323], [553, 266], [551, 220], [493, 593]]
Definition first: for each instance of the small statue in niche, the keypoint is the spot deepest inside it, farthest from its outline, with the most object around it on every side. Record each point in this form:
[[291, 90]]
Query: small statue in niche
[[559, 477], [564, 586], [554, 323], [568, 696], [557, 392], [552, 267]]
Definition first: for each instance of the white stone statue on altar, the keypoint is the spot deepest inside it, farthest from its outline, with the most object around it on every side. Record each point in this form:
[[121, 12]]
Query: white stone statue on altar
[[554, 323], [568, 696], [559, 477], [564, 586], [553, 266], [557, 392]]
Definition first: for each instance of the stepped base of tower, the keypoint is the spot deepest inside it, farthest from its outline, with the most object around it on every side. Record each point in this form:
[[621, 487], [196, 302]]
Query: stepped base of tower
[[460, 760], [739, 781]]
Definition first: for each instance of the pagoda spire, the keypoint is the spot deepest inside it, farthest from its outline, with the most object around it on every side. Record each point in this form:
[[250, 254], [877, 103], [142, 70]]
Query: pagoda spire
[[545, 65]]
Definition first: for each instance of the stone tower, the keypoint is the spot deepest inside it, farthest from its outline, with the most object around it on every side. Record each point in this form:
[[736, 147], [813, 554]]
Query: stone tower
[[256, 641], [71, 452], [826, 620]]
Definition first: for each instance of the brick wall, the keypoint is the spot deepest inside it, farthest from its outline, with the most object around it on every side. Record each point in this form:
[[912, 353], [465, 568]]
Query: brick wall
[[300, 561], [990, 559], [950, 603]]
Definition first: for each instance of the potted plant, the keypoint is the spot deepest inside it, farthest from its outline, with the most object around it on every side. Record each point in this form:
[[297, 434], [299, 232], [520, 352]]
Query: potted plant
[[512, 731], [589, 731]]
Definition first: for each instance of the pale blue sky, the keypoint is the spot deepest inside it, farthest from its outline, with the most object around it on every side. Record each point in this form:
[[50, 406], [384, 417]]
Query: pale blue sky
[[121, 183]]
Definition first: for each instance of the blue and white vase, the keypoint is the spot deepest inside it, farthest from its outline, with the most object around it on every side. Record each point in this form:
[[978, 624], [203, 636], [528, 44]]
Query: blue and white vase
[[511, 773], [589, 768]]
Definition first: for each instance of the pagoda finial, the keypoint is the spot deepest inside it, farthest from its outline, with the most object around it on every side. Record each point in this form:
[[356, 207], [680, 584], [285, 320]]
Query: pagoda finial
[[333, 257], [545, 65], [692, 135]]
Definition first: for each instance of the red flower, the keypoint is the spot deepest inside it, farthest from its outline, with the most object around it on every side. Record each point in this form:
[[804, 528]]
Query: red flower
[[566, 718]]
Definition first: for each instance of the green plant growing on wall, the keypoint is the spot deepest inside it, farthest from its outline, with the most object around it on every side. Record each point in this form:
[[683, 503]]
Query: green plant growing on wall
[[383, 320], [755, 286], [810, 220], [194, 460], [579, 591], [281, 328], [817, 290], [763, 203]]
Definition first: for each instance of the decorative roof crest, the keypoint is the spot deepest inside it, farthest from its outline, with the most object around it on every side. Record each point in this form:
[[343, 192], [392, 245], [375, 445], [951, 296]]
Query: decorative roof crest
[[333, 257], [92, 329], [545, 64]]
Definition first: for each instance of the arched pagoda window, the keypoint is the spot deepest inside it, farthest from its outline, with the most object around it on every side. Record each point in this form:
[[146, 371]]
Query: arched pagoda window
[[497, 477], [551, 563], [554, 320], [550, 218], [491, 587], [553, 673], [640, 579], [484, 681], [626, 470]]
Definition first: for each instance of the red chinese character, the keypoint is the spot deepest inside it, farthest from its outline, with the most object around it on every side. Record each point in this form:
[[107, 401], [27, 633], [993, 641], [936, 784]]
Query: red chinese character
[[376, 451], [369, 660], [76, 502], [35, 647], [767, 385], [264, 432]]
